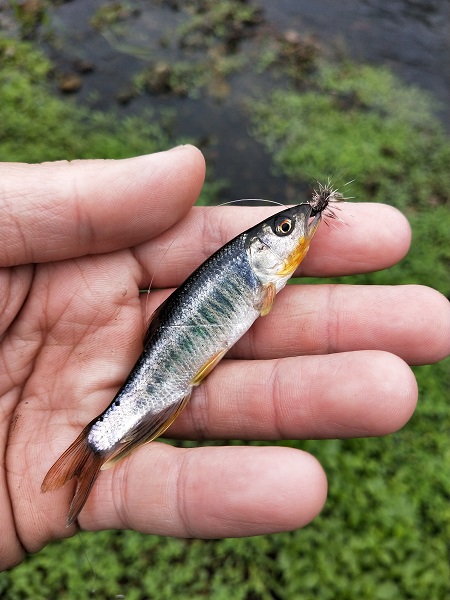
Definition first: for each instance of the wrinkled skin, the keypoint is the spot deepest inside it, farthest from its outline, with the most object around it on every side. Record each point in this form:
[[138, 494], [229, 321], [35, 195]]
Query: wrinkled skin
[[78, 241]]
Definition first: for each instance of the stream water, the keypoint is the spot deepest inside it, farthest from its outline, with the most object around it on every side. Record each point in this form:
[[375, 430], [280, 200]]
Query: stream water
[[412, 37]]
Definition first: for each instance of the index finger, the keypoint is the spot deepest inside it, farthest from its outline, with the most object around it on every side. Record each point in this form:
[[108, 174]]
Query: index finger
[[60, 210], [367, 237]]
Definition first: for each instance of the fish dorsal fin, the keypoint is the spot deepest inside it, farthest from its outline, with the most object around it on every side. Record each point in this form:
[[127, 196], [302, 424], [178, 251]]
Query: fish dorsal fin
[[155, 320], [147, 430]]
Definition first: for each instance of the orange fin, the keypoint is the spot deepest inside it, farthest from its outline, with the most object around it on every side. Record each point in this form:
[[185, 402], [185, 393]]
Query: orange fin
[[80, 461], [270, 291], [146, 431], [208, 367]]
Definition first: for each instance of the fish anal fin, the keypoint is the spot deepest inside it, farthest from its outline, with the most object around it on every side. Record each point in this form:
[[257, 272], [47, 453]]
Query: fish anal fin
[[209, 365], [146, 431], [80, 461], [270, 291]]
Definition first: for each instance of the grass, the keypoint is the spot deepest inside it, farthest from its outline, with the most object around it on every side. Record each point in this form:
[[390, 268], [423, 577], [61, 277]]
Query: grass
[[384, 531]]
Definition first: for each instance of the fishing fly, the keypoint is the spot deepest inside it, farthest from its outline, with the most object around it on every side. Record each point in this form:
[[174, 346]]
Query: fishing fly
[[188, 335]]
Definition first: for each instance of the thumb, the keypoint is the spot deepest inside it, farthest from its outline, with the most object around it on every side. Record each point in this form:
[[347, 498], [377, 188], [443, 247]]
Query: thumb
[[54, 211]]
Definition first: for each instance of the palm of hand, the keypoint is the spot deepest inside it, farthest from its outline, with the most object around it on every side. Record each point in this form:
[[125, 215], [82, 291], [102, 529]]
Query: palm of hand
[[76, 326], [69, 326]]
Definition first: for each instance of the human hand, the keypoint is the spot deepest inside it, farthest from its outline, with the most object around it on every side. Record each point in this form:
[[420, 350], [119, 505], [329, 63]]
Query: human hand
[[78, 242]]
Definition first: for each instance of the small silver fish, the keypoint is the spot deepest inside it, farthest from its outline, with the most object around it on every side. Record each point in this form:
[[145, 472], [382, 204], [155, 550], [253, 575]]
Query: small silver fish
[[187, 336]]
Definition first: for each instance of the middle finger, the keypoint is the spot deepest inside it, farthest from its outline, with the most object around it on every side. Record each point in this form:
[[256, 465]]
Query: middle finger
[[411, 321]]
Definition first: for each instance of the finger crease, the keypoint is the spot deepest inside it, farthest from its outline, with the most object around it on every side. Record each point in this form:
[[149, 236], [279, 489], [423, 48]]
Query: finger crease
[[181, 493], [276, 394]]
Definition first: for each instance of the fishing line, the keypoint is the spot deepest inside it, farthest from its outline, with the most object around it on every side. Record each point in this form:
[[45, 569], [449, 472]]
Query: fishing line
[[92, 592], [191, 222]]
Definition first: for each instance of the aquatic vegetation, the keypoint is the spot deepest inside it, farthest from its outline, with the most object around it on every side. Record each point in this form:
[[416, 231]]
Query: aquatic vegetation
[[227, 22], [188, 77], [110, 14], [29, 14], [292, 54], [198, 55], [36, 125]]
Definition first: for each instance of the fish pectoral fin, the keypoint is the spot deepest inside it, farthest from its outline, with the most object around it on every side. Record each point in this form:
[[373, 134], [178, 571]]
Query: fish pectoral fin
[[269, 293], [146, 431], [208, 367]]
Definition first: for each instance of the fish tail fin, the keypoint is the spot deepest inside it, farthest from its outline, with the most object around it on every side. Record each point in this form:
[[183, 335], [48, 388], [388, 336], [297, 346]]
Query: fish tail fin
[[80, 461]]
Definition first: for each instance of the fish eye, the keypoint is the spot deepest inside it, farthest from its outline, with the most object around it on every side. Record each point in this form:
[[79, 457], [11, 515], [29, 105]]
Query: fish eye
[[283, 226]]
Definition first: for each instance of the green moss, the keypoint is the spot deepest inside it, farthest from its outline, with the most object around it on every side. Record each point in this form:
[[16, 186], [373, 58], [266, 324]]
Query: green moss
[[364, 125], [35, 125]]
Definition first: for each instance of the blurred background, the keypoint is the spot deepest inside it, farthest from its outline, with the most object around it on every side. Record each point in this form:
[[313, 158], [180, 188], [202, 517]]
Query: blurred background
[[277, 95]]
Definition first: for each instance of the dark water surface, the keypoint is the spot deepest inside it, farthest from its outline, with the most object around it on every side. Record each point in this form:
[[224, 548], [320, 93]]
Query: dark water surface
[[412, 37]]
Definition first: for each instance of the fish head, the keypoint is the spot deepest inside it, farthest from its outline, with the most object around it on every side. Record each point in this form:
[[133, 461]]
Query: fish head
[[277, 246]]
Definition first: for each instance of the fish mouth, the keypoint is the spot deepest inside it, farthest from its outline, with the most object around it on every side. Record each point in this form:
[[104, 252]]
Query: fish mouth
[[313, 225]]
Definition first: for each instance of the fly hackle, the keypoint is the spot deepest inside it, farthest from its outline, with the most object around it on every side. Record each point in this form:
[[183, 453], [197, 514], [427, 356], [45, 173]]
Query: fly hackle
[[324, 195]]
